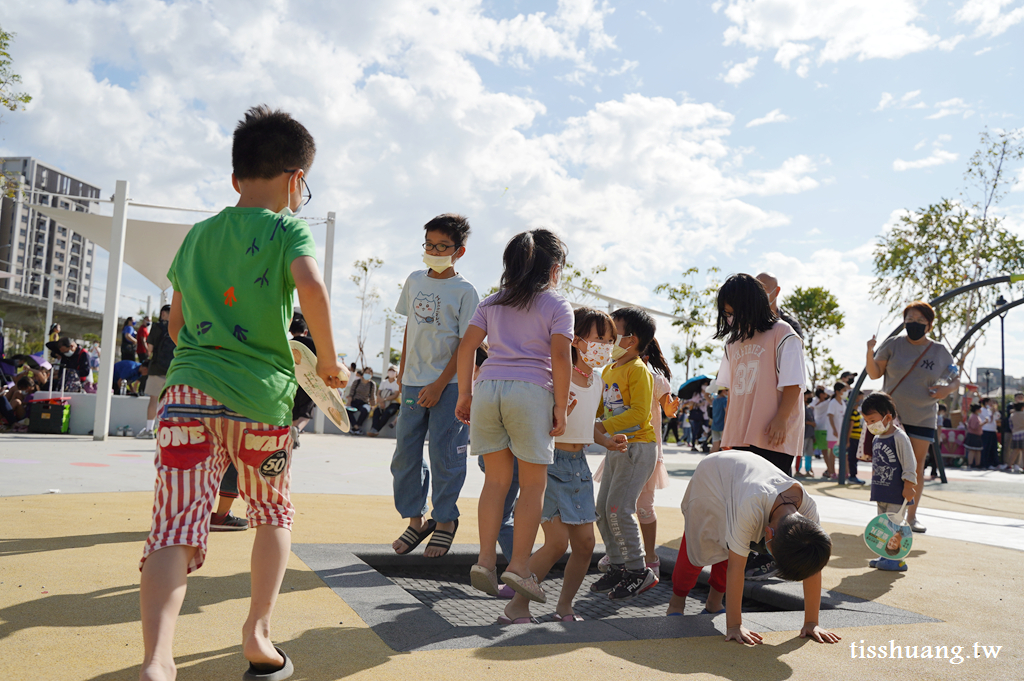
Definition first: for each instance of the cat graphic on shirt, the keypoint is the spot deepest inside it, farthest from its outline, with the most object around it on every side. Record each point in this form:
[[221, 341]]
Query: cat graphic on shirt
[[425, 309]]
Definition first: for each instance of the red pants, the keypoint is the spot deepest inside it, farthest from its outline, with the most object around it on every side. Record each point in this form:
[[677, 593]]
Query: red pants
[[685, 574]]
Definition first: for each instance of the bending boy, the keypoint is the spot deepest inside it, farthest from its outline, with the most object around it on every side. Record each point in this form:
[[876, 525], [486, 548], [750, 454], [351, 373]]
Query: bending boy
[[735, 500], [229, 390]]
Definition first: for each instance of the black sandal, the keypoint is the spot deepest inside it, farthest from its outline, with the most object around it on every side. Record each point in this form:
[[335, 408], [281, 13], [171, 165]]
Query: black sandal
[[412, 538], [443, 539]]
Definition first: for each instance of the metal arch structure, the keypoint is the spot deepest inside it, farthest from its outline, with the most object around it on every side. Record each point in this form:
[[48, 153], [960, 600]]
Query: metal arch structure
[[1004, 279]]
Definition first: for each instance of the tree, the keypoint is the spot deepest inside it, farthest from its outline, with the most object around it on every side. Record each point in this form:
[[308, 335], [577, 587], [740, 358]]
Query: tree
[[954, 242], [574, 279], [699, 305], [9, 99], [368, 298], [817, 310]]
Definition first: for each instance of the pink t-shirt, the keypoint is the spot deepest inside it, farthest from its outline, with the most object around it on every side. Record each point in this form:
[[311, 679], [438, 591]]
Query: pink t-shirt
[[519, 341], [755, 371]]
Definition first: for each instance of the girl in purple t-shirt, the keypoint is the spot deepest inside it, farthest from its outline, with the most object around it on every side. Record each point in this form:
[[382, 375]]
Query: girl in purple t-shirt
[[519, 400]]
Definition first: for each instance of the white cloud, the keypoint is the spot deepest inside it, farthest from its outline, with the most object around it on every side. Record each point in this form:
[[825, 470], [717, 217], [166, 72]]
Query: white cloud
[[989, 16], [938, 157], [982, 51], [904, 102], [740, 72], [405, 123], [773, 116], [952, 107], [833, 31]]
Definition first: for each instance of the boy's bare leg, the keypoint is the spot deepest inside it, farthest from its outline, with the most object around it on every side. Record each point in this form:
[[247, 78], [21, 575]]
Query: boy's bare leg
[[224, 504], [714, 602], [269, 560], [161, 594]]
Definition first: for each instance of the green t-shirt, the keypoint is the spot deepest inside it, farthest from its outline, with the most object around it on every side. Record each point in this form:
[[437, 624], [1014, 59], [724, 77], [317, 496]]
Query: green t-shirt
[[234, 275]]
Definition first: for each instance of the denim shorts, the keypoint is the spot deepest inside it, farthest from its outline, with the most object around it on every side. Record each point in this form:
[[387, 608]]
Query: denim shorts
[[512, 415], [570, 490]]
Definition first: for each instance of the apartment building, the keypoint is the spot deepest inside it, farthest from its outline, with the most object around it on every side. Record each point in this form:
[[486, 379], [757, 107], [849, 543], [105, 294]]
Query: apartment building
[[36, 250]]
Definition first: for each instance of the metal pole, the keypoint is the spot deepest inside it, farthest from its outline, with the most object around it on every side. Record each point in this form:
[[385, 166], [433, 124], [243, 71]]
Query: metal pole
[[318, 419], [149, 307], [1002, 402], [108, 341], [387, 348], [48, 278]]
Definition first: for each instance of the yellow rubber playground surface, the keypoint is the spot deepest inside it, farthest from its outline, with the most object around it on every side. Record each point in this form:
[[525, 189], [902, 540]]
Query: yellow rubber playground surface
[[69, 603]]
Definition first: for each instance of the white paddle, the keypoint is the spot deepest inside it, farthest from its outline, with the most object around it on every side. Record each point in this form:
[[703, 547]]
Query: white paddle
[[325, 398]]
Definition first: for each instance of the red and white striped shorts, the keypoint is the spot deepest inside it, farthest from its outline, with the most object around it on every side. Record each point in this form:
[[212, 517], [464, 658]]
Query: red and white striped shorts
[[196, 439]]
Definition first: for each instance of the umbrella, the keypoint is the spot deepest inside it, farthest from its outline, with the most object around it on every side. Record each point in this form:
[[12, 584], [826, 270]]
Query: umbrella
[[692, 386]]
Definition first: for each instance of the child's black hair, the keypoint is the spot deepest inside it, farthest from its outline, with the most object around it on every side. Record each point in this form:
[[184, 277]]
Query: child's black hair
[[529, 258], [975, 407], [1018, 406], [452, 225], [268, 143], [298, 326], [26, 382], [587, 318], [943, 407], [800, 548], [636, 322], [751, 311], [656, 359], [819, 391], [878, 403], [839, 386]]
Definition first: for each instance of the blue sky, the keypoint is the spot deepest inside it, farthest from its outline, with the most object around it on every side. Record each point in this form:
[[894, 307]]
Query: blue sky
[[654, 136]]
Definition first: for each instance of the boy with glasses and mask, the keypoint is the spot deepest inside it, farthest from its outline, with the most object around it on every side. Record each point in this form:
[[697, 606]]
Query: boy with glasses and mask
[[229, 391], [438, 304]]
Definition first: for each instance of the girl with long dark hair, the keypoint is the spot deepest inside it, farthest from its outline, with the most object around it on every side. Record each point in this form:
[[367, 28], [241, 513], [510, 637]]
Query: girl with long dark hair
[[519, 401]]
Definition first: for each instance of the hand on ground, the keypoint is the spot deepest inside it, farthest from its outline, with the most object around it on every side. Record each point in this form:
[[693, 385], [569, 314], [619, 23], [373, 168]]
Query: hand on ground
[[743, 635], [818, 634]]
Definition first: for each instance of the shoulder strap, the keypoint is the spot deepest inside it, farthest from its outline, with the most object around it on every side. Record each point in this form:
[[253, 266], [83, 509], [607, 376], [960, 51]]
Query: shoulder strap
[[912, 367], [778, 347]]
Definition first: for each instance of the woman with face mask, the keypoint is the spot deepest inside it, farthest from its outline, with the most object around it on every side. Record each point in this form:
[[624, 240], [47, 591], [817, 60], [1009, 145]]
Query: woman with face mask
[[364, 394], [388, 401], [911, 366]]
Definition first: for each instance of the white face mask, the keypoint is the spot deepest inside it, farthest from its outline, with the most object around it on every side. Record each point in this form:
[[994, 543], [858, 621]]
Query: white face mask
[[617, 350], [597, 354], [288, 212], [392, 375], [438, 263], [879, 427], [69, 353]]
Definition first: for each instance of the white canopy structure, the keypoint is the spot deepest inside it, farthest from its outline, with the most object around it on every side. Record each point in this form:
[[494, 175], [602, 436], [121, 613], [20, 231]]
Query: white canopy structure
[[149, 247]]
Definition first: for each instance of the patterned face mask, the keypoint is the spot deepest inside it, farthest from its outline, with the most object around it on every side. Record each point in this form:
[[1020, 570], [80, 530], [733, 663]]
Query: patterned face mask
[[597, 354]]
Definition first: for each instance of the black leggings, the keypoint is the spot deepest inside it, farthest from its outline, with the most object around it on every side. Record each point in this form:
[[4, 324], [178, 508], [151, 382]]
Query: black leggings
[[382, 416]]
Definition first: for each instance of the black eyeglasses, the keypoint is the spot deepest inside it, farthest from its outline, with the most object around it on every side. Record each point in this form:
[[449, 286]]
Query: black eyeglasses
[[308, 196], [439, 248]]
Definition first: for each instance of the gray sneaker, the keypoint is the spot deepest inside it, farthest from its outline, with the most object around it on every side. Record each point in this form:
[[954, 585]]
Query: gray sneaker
[[145, 434], [916, 526]]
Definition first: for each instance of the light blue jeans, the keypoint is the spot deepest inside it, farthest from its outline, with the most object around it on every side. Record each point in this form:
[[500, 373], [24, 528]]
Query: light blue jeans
[[447, 452]]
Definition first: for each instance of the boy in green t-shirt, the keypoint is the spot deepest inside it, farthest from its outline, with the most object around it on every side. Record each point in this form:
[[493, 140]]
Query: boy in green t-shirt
[[628, 396], [230, 388]]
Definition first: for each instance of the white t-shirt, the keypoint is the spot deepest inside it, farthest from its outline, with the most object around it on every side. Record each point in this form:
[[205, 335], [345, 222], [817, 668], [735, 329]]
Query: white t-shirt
[[821, 413], [837, 410], [388, 389], [988, 426], [579, 426], [728, 501]]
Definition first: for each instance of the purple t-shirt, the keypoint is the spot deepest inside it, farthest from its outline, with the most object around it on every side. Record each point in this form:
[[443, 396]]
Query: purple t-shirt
[[520, 339]]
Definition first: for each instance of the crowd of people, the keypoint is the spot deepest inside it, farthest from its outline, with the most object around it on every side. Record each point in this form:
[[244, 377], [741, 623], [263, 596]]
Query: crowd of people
[[524, 383]]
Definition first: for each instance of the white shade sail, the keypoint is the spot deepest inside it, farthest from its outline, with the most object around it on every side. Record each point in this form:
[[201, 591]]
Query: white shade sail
[[149, 246]]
